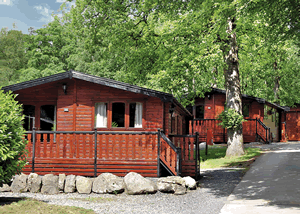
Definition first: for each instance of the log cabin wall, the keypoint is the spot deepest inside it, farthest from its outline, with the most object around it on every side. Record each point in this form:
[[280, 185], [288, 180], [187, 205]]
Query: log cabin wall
[[291, 124]]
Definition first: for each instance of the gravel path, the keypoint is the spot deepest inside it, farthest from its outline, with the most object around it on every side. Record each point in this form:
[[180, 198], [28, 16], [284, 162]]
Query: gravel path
[[216, 186], [209, 199]]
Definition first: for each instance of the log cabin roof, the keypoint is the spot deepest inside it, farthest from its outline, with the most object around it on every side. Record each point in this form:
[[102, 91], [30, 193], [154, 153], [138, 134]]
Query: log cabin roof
[[165, 97]]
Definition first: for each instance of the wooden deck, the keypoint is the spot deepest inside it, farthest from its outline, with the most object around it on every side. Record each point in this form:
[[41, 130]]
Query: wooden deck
[[72, 152], [252, 130]]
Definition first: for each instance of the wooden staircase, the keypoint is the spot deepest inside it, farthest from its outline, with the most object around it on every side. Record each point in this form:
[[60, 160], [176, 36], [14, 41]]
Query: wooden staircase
[[179, 154]]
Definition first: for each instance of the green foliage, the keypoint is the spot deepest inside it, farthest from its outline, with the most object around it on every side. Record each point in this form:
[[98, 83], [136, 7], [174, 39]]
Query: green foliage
[[114, 124], [12, 144], [230, 119]]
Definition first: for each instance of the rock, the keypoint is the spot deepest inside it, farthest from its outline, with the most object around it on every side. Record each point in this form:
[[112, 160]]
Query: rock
[[136, 184], [50, 184], [61, 181], [70, 184], [19, 184], [83, 184], [108, 183], [34, 183], [5, 188], [190, 182], [172, 184]]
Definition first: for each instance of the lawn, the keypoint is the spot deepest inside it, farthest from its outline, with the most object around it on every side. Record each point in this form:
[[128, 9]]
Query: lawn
[[23, 205], [216, 158]]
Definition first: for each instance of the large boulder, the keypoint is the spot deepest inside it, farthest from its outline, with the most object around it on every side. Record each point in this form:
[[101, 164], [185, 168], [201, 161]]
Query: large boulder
[[70, 184], [190, 182], [50, 184], [108, 183], [34, 183], [83, 184], [19, 184], [5, 188], [61, 181], [172, 184], [136, 184]]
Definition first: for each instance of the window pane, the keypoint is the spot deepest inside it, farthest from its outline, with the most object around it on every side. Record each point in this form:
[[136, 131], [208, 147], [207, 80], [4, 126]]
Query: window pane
[[48, 118], [135, 115], [199, 112], [118, 115], [101, 115], [246, 109], [29, 112]]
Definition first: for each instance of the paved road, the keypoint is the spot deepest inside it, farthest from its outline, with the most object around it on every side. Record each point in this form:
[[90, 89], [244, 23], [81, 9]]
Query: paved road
[[272, 185]]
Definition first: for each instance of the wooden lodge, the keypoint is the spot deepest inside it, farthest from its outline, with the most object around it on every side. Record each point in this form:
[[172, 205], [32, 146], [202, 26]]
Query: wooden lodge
[[264, 120], [66, 113], [86, 125]]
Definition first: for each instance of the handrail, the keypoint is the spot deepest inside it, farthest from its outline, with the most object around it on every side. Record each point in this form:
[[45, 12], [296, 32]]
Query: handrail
[[261, 123], [87, 132], [168, 141]]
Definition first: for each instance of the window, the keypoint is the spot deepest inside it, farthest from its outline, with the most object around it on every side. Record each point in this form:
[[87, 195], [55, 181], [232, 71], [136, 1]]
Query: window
[[200, 112], [48, 118], [246, 108], [135, 115], [29, 112], [101, 115], [118, 115]]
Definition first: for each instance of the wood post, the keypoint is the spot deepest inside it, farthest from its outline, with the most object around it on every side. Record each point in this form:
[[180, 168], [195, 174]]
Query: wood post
[[197, 156], [33, 149], [95, 154], [178, 161], [158, 153]]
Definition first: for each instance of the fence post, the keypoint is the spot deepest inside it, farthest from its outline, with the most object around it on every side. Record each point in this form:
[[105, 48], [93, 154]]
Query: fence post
[[197, 155], [33, 149], [269, 135], [158, 153], [178, 162], [95, 155], [266, 135]]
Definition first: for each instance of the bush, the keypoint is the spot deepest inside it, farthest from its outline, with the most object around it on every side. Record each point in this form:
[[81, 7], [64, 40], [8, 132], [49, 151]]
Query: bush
[[230, 119], [12, 144]]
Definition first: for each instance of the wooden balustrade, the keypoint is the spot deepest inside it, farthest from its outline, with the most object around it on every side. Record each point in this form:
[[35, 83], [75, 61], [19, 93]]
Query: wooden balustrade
[[74, 152]]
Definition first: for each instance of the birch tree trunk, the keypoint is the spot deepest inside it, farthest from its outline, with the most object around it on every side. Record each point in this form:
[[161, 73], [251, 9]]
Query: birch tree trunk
[[235, 146]]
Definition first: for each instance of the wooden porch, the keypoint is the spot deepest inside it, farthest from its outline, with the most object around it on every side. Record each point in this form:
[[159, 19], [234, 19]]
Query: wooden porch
[[253, 130], [75, 152]]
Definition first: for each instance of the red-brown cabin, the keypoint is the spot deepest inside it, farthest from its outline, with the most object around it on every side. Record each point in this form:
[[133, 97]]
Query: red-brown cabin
[[66, 113], [264, 119]]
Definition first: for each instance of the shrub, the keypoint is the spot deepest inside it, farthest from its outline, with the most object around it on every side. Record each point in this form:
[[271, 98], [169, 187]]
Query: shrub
[[230, 119], [12, 144]]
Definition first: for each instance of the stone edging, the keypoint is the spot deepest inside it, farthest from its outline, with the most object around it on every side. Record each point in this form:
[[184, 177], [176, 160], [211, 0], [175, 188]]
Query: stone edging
[[133, 184]]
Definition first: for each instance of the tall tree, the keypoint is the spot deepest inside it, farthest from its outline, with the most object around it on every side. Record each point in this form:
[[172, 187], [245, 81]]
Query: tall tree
[[177, 46]]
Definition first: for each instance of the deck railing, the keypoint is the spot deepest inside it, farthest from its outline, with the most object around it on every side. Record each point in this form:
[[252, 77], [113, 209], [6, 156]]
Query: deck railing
[[253, 129], [77, 152], [169, 154], [189, 147], [263, 132]]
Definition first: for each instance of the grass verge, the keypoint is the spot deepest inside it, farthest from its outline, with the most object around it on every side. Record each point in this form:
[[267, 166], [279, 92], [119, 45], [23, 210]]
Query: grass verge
[[33, 206], [216, 158]]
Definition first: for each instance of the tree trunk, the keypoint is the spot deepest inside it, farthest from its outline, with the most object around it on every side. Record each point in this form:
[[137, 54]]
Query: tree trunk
[[235, 146], [276, 83]]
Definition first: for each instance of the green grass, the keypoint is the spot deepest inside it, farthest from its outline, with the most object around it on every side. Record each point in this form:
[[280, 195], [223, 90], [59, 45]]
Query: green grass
[[38, 207], [216, 158]]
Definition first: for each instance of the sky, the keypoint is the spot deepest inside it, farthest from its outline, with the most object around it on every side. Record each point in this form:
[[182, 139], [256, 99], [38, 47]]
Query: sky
[[27, 13]]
